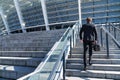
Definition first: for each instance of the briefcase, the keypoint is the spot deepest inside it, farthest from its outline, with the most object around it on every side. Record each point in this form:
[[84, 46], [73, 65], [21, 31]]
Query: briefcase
[[96, 47]]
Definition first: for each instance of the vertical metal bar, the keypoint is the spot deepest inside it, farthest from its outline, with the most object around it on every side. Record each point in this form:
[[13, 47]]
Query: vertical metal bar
[[115, 32], [73, 38], [70, 47], [109, 27], [64, 66], [101, 37], [107, 45]]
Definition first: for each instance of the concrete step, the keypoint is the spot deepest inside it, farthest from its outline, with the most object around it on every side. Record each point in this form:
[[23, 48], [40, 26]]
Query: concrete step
[[85, 78], [14, 72], [30, 48], [111, 56], [94, 73], [31, 38], [96, 52], [25, 36], [80, 49], [34, 35], [108, 67], [29, 41], [20, 61], [95, 61], [23, 44], [37, 54]]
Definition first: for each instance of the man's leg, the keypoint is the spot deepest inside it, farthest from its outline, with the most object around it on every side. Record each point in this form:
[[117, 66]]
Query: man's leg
[[90, 53], [84, 55]]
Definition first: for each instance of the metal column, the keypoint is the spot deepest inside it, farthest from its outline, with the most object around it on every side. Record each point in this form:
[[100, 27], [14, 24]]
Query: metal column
[[4, 20], [19, 15], [79, 10], [44, 10]]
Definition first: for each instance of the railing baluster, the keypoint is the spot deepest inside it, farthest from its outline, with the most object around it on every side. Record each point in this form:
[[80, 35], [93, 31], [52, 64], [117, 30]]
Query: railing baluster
[[115, 32], [107, 45], [73, 37], [64, 66], [70, 47], [101, 37]]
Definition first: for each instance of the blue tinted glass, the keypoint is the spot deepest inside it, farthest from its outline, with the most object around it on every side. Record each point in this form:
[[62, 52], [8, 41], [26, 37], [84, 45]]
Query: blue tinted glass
[[113, 7], [114, 19], [100, 14], [100, 2], [114, 13], [100, 8], [114, 1], [87, 4], [99, 20], [87, 15], [87, 10]]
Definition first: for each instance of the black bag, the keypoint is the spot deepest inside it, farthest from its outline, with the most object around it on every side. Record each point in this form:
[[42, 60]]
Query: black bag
[[96, 47]]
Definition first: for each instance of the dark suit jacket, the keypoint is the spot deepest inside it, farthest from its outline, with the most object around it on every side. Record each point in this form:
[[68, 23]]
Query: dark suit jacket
[[88, 32]]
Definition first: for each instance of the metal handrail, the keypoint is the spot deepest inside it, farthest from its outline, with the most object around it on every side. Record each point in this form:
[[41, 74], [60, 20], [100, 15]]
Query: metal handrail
[[107, 40], [62, 56], [114, 27]]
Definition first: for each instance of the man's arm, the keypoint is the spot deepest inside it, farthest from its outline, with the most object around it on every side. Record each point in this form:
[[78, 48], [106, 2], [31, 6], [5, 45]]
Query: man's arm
[[80, 35]]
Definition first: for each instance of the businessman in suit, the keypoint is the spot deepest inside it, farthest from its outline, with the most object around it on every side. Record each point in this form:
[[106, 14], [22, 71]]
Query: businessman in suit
[[88, 36]]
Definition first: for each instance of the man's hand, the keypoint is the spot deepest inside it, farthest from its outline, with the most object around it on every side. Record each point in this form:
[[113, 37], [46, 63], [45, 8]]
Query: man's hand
[[95, 41], [81, 41]]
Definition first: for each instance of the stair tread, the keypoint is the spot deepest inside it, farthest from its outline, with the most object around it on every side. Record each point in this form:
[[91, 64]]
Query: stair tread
[[97, 54], [85, 78], [21, 58], [95, 71], [92, 59], [16, 68], [112, 65]]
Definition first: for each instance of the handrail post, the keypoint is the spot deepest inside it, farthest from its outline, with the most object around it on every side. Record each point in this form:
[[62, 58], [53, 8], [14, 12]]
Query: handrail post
[[115, 32], [101, 37], [73, 38], [64, 66], [107, 45], [70, 47]]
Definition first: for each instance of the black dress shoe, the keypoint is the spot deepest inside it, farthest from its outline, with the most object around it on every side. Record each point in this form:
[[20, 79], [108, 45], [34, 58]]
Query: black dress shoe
[[90, 63], [85, 68]]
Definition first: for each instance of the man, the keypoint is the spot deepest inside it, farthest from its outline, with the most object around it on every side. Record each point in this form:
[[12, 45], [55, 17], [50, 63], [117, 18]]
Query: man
[[88, 36]]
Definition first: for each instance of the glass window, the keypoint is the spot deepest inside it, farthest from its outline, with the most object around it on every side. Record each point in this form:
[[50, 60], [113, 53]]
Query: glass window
[[113, 7], [102, 8], [99, 20], [114, 19], [87, 4], [114, 13], [87, 10], [87, 15], [114, 1], [100, 2], [100, 14]]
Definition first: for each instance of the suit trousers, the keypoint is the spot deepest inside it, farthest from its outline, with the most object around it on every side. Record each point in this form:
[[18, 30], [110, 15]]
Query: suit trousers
[[87, 45]]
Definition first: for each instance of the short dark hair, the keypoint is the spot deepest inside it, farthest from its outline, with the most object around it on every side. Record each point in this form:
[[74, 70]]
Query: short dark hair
[[88, 19]]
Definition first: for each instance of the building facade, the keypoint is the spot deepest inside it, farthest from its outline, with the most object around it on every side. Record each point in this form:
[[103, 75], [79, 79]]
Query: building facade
[[32, 15]]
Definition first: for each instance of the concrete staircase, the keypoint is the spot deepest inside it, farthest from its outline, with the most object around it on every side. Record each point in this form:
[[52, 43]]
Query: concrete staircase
[[21, 53], [101, 69]]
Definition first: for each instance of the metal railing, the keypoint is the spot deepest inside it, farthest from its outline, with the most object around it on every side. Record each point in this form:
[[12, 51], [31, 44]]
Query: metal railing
[[108, 36], [54, 64]]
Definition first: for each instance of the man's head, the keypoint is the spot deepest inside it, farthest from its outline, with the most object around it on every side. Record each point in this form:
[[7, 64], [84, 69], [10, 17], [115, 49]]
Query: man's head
[[89, 19]]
